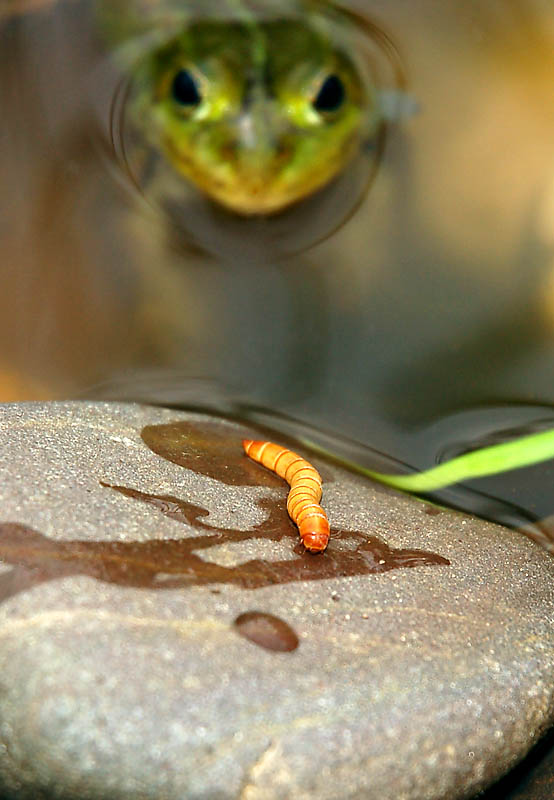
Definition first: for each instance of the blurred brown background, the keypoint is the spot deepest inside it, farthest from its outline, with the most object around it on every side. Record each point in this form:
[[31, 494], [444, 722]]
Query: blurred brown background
[[438, 295]]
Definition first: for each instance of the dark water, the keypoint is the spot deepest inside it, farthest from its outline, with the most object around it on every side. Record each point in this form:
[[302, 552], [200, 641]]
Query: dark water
[[420, 328], [267, 631]]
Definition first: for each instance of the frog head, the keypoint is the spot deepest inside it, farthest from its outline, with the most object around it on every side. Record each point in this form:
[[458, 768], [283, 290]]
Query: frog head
[[256, 116]]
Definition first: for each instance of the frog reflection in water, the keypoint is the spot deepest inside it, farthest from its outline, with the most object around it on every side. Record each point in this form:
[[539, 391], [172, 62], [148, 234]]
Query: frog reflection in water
[[257, 110]]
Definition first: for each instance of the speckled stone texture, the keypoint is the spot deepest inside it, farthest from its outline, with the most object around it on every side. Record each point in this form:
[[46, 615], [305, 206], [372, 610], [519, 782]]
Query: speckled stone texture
[[134, 540]]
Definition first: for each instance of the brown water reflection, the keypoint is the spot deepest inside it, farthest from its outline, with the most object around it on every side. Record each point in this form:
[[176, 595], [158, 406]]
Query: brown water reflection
[[178, 563], [266, 631], [215, 450]]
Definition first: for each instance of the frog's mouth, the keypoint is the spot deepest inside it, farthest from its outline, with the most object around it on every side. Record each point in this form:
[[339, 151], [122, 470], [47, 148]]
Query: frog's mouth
[[255, 192]]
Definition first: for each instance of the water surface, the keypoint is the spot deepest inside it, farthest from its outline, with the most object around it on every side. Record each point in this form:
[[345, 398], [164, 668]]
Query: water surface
[[431, 305]]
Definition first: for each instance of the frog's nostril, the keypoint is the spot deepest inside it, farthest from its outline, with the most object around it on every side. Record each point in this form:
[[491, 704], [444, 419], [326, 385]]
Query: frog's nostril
[[283, 152], [229, 151]]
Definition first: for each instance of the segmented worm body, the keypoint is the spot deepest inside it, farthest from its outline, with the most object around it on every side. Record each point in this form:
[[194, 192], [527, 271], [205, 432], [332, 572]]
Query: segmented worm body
[[305, 490]]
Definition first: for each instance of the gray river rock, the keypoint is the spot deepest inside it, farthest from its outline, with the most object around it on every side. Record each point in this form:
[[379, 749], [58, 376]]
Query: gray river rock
[[163, 634]]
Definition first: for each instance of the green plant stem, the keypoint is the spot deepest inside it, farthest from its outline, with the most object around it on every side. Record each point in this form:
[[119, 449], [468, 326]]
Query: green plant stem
[[491, 460]]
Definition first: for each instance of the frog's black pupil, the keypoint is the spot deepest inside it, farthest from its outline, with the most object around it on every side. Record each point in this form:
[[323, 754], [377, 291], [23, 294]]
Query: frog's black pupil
[[331, 95], [185, 90]]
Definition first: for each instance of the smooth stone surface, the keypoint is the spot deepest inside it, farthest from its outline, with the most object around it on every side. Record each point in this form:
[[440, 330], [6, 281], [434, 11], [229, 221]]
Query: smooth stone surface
[[127, 671]]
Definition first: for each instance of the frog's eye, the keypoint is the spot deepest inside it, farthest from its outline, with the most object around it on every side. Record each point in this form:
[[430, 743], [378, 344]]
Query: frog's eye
[[185, 89], [331, 95]]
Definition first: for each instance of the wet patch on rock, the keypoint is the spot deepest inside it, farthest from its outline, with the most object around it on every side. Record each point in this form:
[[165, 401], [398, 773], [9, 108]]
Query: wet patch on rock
[[36, 558], [210, 449], [267, 631]]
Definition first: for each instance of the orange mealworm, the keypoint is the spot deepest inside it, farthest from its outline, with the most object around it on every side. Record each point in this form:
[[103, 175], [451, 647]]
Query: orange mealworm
[[305, 490]]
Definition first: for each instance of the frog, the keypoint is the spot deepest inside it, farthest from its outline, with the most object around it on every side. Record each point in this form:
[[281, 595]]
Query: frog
[[257, 105]]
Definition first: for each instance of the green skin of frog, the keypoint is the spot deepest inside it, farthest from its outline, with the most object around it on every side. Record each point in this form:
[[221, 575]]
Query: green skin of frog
[[257, 114]]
